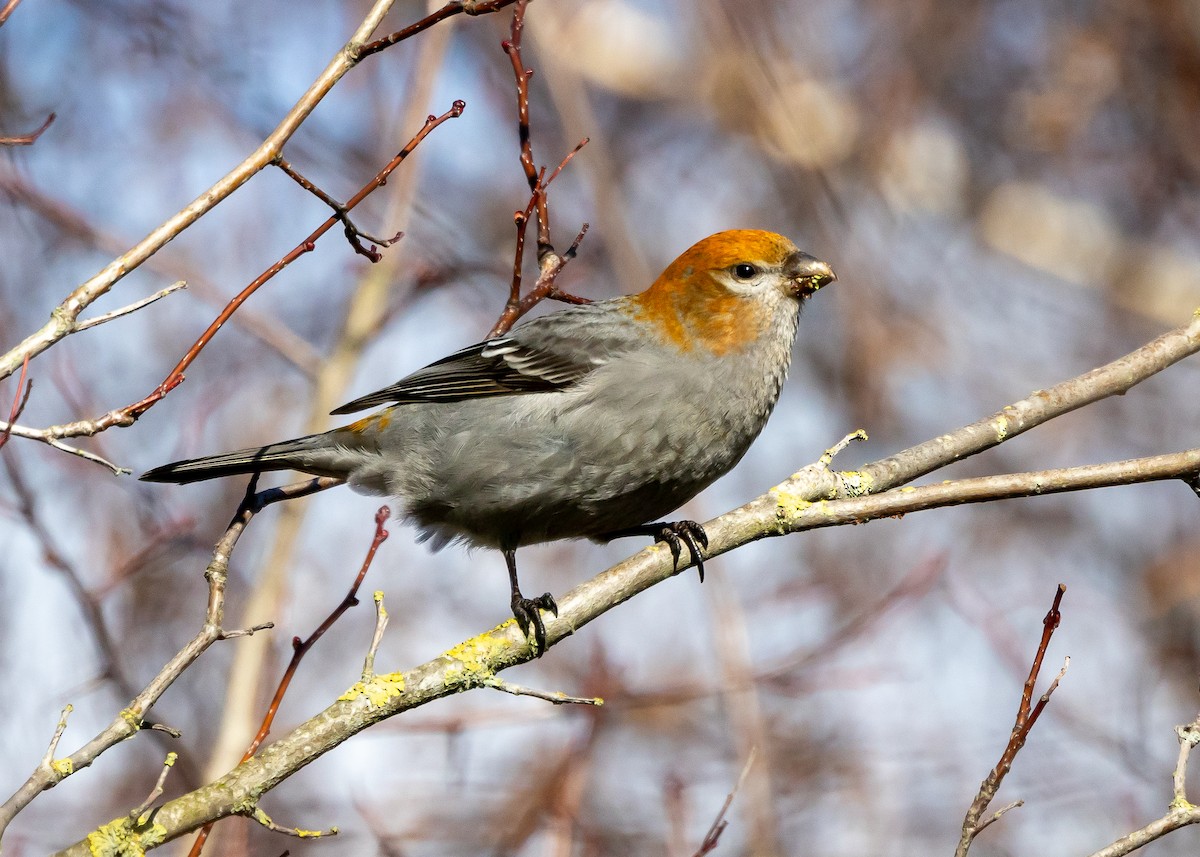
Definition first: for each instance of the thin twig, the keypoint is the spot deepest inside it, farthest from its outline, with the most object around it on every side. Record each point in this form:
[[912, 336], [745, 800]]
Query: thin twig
[[48, 759], [1181, 812], [30, 138], [713, 836], [299, 649], [353, 233], [132, 718], [19, 401], [556, 696], [995, 816], [381, 623], [156, 792], [1027, 716], [512, 47], [468, 7], [133, 307], [265, 820]]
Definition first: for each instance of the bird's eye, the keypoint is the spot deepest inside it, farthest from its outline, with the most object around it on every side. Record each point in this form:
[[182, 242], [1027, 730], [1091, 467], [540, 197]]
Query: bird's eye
[[744, 271]]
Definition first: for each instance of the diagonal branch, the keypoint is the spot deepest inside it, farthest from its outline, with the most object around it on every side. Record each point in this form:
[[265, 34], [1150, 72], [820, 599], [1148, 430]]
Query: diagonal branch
[[132, 718], [129, 414], [1027, 716], [781, 510], [63, 317]]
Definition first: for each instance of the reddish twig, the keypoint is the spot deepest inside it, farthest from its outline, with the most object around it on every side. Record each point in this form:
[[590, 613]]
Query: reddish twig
[[543, 289], [353, 233], [521, 220], [549, 262], [19, 401], [467, 7], [30, 138], [131, 412], [512, 309], [1027, 715], [131, 719], [567, 158], [8, 10], [300, 647], [299, 650], [512, 47]]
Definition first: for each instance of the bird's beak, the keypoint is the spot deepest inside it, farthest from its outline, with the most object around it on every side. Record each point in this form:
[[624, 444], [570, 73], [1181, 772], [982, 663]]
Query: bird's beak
[[809, 274]]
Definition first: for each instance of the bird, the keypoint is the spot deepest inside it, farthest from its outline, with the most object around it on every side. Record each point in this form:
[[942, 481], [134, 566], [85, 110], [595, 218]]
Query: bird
[[588, 422]]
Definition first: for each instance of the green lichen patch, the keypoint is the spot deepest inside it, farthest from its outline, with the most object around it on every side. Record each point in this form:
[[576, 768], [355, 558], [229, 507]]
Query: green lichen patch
[[473, 658], [123, 837]]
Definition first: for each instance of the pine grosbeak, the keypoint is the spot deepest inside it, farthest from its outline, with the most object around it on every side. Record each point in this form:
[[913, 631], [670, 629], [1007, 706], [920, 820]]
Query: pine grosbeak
[[582, 423]]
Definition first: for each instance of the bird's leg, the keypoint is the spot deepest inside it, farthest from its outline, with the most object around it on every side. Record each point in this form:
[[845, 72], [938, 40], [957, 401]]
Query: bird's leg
[[527, 611], [675, 534]]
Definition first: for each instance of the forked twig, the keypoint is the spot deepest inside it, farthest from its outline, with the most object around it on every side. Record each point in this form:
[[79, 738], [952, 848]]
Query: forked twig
[[1027, 715]]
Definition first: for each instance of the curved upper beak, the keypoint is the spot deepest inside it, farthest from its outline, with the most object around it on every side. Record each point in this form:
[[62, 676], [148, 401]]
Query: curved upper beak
[[809, 273]]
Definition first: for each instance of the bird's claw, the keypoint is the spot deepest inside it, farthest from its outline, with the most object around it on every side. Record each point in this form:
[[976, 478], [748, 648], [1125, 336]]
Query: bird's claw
[[528, 613], [676, 534]]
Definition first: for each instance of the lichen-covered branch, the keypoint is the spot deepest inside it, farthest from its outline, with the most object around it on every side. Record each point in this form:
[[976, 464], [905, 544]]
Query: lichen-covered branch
[[817, 496]]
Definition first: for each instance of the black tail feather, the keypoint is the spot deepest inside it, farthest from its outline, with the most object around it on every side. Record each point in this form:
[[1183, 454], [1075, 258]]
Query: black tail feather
[[289, 455]]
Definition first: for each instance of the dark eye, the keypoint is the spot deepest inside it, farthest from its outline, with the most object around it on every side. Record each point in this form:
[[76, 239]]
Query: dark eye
[[744, 271]]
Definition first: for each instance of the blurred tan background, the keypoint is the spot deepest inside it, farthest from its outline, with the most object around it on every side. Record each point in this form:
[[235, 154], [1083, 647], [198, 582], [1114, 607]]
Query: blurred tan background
[[1009, 193]]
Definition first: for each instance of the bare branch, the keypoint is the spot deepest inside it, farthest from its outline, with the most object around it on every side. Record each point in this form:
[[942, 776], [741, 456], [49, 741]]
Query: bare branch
[[133, 717], [133, 307], [265, 820], [1027, 716], [555, 696], [299, 649], [20, 400], [713, 836], [30, 138], [341, 212], [155, 793], [129, 414], [64, 316]]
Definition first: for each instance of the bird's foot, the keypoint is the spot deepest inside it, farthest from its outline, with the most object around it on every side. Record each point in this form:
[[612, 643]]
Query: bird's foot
[[528, 613], [679, 533], [676, 534]]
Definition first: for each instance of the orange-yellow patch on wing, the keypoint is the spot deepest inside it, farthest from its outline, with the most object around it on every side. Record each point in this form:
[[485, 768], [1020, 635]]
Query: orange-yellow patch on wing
[[375, 422]]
